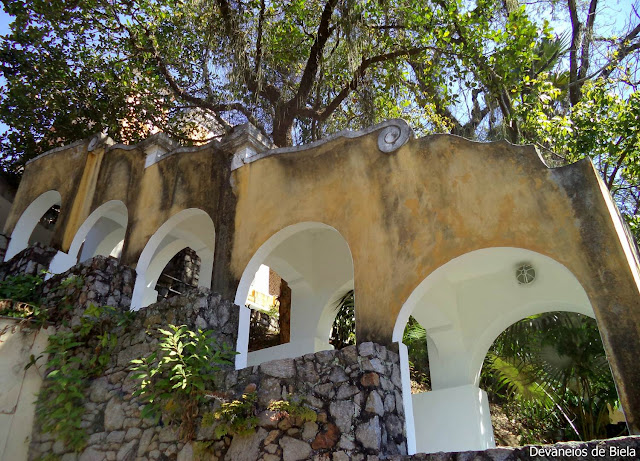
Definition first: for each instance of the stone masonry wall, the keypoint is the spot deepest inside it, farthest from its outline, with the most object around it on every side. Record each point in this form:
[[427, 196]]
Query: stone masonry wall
[[112, 416], [31, 261], [103, 281], [354, 393]]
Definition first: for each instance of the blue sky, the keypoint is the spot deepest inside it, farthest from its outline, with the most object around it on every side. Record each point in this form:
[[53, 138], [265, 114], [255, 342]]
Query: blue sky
[[5, 20]]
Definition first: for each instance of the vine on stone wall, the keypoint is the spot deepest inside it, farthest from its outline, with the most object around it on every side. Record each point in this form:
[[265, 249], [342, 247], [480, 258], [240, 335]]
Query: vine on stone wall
[[237, 417], [60, 401], [295, 409], [20, 299]]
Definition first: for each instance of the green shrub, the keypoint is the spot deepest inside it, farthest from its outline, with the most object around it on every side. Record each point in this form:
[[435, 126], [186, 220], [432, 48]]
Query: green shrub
[[237, 417], [23, 288], [175, 378]]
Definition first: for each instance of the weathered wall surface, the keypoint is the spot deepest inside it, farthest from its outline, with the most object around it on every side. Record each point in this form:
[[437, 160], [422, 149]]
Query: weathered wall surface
[[407, 213], [18, 386], [403, 213], [61, 170]]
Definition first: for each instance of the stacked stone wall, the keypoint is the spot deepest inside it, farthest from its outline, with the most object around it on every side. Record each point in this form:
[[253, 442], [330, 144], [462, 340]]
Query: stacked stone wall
[[112, 418], [355, 393], [618, 449], [264, 330], [30, 261], [101, 281]]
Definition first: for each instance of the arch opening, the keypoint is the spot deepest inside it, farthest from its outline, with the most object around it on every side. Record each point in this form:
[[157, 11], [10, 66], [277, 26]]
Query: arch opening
[[315, 261], [549, 381], [181, 274], [187, 232], [463, 306], [36, 223], [269, 299], [101, 234]]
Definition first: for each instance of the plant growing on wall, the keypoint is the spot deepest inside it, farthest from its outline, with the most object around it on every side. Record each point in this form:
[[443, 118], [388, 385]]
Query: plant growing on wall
[[60, 401], [237, 417], [343, 331], [22, 288], [175, 378], [292, 408], [21, 295]]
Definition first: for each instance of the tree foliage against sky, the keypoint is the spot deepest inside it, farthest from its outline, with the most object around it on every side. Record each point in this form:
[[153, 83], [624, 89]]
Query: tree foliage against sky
[[299, 70]]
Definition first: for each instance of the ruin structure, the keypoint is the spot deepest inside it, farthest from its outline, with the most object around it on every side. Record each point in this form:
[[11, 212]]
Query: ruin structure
[[467, 237]]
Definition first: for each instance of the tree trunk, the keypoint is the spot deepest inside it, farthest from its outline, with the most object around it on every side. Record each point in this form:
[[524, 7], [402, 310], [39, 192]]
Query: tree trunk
[[285, 312]]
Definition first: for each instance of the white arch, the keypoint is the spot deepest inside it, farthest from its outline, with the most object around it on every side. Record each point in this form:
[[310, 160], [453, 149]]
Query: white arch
[[484, 342], [325, 323], [29, 220], [464, 305], [116, 213], [116, 210], [111, 245], [315, 260], [192, 228], [488, 261]]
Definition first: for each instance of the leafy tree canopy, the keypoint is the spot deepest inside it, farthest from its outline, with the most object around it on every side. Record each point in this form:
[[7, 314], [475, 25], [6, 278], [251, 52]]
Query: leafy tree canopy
[[298, 70]]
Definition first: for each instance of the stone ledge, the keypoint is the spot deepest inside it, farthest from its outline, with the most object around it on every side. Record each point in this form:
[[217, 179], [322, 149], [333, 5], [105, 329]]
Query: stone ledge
[[621, 448]]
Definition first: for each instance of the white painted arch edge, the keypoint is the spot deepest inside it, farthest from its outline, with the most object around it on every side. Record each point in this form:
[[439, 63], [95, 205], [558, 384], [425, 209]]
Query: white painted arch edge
[[28, 221], [149, 252], [62, 261], [261, 254]]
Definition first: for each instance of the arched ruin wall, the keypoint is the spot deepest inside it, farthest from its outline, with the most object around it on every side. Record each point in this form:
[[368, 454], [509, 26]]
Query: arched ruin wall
[[403, 215]]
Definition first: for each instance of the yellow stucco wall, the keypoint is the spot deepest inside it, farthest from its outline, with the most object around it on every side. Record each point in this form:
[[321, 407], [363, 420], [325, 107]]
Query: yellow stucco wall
[[403, 215]]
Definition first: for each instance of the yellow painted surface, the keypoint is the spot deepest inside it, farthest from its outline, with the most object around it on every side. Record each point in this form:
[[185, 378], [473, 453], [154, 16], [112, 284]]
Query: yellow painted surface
[[407, 213], [81, 207], [403, 214], [59, 171]]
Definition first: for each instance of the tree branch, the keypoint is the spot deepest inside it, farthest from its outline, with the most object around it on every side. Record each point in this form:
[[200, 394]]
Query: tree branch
[[576, 42], [587, 39], [311, 68], [258, 62], [625, 48]]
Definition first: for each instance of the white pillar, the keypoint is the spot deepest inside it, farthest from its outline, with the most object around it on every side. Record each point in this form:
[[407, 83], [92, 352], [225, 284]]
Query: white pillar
[[407, 401], [242, 344], [453, 419], [60, 263]]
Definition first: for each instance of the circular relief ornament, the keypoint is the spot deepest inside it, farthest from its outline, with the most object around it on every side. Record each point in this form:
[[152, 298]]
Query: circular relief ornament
[[94, 142], [392, 137], [525, 274]]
